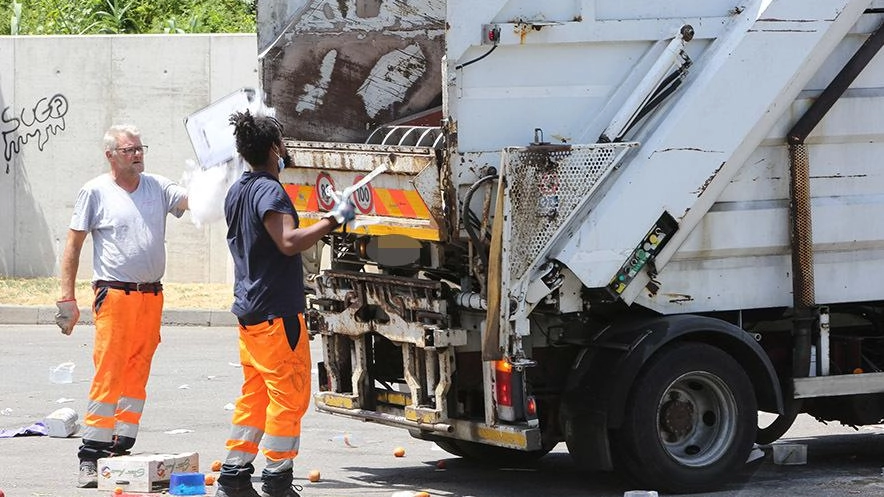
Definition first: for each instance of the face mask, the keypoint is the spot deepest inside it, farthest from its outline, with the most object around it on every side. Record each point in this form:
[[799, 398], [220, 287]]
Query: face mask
[[283, 161]]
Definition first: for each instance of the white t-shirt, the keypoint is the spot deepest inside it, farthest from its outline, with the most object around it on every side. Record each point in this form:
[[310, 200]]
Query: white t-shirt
[[128, 229]]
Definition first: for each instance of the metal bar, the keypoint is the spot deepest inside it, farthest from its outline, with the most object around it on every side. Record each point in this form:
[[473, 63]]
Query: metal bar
[[387, 419], [837, 87], [831, 386]]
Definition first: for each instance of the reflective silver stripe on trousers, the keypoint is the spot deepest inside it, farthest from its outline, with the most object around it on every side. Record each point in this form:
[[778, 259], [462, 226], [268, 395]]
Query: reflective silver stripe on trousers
[[103, 410], [246, 433], [130, 405], [281, 444], [126, 429], [283, 466], [239, 458]]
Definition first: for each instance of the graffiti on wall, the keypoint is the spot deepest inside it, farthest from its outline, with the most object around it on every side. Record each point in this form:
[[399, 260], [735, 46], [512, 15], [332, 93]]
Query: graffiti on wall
[[38, 123]]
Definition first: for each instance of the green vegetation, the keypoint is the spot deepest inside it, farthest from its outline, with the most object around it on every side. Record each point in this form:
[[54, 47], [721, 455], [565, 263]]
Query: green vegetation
[[76, 17]]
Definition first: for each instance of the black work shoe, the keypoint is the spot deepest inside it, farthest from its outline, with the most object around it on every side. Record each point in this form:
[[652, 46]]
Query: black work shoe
[[88, 475], [236, 492], [291, 491]]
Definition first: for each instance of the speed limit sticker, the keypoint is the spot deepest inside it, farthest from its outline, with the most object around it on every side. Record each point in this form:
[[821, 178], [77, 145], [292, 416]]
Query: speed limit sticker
[[363, 197], [324, 188]]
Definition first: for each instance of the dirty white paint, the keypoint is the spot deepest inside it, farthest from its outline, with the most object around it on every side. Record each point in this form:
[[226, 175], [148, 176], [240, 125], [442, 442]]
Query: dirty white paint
[[315, 93], [406, 19], [391, 77]]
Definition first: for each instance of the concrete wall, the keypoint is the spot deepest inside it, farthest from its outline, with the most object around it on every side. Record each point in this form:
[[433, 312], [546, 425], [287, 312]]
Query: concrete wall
[[59, 94]]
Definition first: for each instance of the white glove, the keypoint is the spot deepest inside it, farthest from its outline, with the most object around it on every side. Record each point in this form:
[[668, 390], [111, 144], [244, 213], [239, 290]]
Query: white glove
[[67, 316], [343, 213]]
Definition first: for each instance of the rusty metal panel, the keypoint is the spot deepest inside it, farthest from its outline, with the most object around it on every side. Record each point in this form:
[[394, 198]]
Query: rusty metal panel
[[337, 70]]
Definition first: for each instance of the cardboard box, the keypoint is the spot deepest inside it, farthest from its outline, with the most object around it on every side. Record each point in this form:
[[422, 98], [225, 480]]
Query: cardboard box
[[144, 472]]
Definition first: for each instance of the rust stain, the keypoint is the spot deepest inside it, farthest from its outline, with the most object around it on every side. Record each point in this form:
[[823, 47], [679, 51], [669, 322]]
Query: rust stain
[[839, 176], [708, 181], [677, 298]]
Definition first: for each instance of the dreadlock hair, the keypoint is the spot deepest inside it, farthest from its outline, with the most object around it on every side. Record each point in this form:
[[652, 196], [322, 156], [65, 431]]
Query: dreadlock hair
[[255, 135]]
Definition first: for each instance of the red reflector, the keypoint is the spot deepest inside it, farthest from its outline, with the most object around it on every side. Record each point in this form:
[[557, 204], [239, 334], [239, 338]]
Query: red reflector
[[503, 375], [531, 407]]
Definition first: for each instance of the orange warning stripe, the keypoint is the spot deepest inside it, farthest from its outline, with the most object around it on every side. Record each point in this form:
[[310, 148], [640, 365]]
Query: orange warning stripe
[[428, 233], [386, 202], [303, 196]]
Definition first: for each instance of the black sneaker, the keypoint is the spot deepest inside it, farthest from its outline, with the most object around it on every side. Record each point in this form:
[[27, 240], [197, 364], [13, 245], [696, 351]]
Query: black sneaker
[[291, 491], [88, 475], [236, 492]]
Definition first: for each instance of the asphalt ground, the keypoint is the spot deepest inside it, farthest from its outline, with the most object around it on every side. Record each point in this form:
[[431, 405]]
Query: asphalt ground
[[195, 377]]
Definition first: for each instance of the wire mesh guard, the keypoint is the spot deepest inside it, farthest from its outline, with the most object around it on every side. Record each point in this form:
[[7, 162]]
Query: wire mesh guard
[[547, 185]]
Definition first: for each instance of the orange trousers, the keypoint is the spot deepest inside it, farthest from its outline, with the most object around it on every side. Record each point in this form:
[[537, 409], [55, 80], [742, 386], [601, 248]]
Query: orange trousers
[[127, 333], [275, 393]]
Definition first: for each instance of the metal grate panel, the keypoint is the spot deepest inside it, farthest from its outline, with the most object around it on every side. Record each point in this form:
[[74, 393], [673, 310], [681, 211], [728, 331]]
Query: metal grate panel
[[545, 186]]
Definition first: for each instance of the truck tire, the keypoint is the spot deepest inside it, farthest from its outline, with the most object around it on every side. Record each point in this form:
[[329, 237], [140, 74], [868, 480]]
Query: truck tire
[[450, 446], [690, 422]]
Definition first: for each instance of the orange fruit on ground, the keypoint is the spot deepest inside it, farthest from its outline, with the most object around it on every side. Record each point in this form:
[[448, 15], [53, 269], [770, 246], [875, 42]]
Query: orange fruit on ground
[[210, 480], [216, 465], [118, 490], [313, 475], [399, 451], [422, 494]]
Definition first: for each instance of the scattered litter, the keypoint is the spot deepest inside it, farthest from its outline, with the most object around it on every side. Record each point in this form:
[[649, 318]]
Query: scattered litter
[[64, 400], [789, 454], [211, 377], [178, 431], [755, 454], [229, 407], [234, 364], [62, 423], [36, 429], [347, 440], [62, 374], [184, 387], [6, 411], [187, 484]]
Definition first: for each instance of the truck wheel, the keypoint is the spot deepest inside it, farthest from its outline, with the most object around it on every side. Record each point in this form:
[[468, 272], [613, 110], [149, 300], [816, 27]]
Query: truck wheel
[[450, 446], [690, 422]]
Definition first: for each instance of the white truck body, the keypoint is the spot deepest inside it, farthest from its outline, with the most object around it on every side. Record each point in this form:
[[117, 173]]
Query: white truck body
[[581, 198]]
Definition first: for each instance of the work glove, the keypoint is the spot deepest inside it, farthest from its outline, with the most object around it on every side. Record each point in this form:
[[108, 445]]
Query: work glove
[[67, 316], [343, 213]]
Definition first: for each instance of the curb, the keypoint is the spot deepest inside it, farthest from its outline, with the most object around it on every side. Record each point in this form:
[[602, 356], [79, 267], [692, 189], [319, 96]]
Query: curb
[[11, 314]]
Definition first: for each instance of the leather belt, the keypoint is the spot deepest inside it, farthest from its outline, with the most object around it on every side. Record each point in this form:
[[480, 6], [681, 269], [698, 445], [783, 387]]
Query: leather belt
[[155, 287], [253, 319]]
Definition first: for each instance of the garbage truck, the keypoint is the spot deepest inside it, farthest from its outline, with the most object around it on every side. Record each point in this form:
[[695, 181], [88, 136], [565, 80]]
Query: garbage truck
[[650, 230]]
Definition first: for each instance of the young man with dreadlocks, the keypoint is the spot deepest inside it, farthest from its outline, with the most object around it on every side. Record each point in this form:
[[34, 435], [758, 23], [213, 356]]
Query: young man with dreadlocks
[[266, 244]]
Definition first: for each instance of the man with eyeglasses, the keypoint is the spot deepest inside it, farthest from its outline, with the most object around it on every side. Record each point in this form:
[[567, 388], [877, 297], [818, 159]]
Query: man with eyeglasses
[[125, 211]]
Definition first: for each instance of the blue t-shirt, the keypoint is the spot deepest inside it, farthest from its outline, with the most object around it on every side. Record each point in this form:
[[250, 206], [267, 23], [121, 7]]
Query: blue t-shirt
[[268, 284]]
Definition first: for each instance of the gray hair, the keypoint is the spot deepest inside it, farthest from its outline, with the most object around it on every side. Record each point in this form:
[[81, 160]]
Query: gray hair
[[112, 134]]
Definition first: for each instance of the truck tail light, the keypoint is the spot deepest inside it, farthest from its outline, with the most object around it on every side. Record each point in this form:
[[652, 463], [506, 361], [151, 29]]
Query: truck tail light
[[503, 379], [509, 388], [531, 407]]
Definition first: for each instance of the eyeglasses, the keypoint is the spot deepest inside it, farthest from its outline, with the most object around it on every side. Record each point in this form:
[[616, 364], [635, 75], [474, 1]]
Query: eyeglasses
[[133, 150]]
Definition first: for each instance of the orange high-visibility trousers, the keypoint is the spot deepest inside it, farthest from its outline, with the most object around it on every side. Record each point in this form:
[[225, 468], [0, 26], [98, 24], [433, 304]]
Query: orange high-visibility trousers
[[275, 393], [127, 333]]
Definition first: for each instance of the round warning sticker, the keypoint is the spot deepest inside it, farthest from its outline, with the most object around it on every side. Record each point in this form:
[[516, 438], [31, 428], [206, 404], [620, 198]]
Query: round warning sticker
[[363, 198], [324, 188]]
